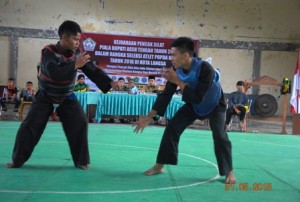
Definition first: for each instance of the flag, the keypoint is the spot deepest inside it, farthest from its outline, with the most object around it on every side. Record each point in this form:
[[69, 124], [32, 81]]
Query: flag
[[295, 109]]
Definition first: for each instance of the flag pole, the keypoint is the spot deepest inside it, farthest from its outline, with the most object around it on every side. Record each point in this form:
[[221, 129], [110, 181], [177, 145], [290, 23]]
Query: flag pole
[[297, 90], [297, 111]]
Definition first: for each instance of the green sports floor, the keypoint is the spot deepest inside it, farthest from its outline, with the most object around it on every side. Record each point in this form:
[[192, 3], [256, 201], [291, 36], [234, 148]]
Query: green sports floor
[[267, 167]]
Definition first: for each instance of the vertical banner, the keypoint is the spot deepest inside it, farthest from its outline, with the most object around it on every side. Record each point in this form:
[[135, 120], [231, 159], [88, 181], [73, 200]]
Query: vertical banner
[[129, 56]]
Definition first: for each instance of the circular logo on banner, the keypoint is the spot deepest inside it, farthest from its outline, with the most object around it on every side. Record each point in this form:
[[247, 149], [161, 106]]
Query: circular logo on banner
[[144, 80]]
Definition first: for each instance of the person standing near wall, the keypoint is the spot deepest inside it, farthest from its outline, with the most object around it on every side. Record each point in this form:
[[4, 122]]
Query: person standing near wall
[[56, 76]]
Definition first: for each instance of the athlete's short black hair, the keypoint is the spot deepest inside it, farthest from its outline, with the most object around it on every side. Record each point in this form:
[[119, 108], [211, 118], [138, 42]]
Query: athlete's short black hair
[[184, 44], [68, 27]]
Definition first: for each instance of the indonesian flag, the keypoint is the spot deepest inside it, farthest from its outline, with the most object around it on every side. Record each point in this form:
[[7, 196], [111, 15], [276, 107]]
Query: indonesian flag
[[295, 109]]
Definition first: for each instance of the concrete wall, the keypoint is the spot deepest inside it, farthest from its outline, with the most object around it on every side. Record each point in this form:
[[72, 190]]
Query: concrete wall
[[234, 65], [267, 21], [4, 59], [28, 58]]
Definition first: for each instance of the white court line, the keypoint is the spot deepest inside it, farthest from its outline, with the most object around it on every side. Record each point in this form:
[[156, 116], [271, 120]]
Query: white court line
[[281, 145], [94, 130], [122, 191]]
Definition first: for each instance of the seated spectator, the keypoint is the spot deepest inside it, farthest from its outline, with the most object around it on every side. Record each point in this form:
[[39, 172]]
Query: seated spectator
[[151, 87], [81, 86], [236, 105], [10, 95], [122, 86], [132, 89], [28, 93]]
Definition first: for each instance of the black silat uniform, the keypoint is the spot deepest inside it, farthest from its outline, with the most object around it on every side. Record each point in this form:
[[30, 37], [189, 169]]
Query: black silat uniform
[[168, 150], [56, 84]]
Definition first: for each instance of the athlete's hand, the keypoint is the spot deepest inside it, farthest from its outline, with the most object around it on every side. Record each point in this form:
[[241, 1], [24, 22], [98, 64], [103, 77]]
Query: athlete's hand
[[142, 123], [170, 75], [82, 59]]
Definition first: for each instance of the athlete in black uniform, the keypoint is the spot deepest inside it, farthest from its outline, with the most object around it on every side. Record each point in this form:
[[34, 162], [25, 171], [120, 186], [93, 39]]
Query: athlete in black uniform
[[56, 76]]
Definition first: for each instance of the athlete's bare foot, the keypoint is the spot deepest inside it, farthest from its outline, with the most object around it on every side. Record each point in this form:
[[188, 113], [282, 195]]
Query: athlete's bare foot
[[156, 169], [83, 167], [11, 165], [230, 178]]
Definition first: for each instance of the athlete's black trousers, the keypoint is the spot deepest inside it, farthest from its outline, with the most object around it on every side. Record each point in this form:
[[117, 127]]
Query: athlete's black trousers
[[168, 151], [74, 123]]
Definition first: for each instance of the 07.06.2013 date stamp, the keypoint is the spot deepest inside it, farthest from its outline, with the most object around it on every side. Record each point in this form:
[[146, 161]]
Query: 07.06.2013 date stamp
[[249, 187]]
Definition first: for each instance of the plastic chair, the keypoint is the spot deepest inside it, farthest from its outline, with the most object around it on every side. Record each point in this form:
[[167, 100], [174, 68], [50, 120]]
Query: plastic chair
[[22, 106]]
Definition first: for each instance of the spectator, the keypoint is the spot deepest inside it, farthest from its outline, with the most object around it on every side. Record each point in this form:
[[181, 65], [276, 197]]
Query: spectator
[[121, 84], [81, 86], [236, 105], [10, 95], [132, 89], [151, 87], [27, 94]]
